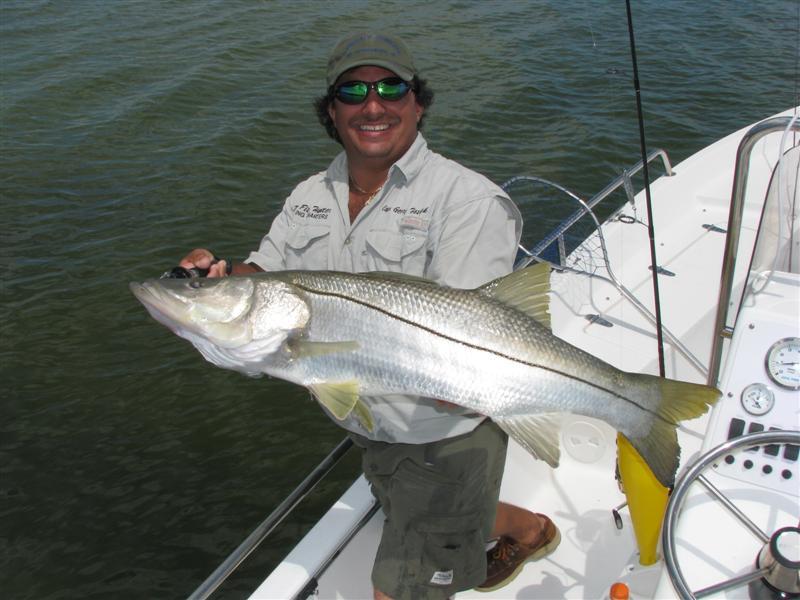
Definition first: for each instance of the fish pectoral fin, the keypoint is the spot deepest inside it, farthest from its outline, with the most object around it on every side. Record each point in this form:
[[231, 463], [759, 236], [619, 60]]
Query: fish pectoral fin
[[538, 434], [339, 398], [305, 348], [527, 290]]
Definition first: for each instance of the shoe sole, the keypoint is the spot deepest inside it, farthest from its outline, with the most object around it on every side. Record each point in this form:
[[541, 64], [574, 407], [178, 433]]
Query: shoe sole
[[545, 550]]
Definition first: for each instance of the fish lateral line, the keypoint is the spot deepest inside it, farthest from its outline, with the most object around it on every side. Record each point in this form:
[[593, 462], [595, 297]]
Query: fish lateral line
[[443, 336]]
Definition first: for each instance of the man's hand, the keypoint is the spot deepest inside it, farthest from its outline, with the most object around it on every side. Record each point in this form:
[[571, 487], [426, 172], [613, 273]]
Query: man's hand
[[204, 259]]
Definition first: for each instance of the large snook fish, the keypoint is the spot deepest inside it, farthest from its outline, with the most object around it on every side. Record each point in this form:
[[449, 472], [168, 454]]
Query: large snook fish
[[489, 349]]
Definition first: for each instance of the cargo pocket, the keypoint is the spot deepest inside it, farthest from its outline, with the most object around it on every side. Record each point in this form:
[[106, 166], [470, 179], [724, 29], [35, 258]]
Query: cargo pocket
[[402, 251], [448, 549], [453, 551], [307, 246]]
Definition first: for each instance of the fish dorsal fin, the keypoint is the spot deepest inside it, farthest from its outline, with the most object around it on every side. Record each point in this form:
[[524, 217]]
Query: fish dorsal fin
[[538, 434], [527, 290], [339, 398]]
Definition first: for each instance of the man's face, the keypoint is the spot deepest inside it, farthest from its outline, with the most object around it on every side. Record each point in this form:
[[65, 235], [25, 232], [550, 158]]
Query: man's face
[[376, 128]]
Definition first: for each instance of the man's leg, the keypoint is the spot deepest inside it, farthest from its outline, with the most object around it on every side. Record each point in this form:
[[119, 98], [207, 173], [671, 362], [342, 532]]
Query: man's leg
[[439, 500]]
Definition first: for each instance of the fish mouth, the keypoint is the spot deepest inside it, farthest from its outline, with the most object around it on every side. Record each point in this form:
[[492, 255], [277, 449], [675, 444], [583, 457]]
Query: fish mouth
[[163, 308]]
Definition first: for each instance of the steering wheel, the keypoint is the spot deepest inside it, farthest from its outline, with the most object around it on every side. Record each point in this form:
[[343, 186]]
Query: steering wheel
[[778, 561]]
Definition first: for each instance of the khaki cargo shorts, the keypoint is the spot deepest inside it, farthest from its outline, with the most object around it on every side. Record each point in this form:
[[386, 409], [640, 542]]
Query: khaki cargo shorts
[[439, 500]]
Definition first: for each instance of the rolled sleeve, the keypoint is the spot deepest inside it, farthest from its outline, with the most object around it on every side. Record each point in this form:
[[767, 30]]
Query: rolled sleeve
[[270, 253]]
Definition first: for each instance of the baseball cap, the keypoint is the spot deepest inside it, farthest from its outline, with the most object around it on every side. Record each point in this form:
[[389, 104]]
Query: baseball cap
[[366, 48]]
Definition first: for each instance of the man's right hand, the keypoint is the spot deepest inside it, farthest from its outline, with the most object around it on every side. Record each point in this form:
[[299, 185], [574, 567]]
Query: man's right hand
[[204, 259]]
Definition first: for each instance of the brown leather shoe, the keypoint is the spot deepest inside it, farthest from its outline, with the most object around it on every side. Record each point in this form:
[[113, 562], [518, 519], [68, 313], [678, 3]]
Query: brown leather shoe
[[506, 559]]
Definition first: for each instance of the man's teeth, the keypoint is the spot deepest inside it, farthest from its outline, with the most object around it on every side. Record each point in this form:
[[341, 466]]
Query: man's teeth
[[373, 127]]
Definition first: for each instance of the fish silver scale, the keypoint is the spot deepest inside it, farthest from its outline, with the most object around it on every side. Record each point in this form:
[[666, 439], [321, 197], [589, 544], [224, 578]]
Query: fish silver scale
[[455, 345]]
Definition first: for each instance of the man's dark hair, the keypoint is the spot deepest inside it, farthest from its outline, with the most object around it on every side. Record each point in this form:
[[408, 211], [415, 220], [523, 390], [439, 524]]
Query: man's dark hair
[[423, 95]]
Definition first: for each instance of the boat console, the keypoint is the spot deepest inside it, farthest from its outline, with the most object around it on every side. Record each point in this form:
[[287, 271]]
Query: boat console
[[731, 529]]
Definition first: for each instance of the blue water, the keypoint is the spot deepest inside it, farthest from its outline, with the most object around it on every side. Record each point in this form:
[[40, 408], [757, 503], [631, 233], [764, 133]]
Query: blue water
[[133, 130]]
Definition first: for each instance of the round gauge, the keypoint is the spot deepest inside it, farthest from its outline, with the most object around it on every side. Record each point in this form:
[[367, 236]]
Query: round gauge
[[757, 399], [783, 363]]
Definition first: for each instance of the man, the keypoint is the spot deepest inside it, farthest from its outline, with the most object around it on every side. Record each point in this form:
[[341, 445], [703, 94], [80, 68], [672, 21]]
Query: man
[[388, 203]]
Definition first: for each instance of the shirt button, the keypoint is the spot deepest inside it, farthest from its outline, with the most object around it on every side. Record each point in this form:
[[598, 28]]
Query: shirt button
[[347, 241]]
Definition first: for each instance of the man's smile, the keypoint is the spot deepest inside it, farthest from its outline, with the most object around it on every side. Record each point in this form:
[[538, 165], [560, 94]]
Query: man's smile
[[381, 127]]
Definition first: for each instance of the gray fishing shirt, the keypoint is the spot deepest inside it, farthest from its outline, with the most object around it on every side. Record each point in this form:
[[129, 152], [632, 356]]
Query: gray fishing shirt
[[433, 218]]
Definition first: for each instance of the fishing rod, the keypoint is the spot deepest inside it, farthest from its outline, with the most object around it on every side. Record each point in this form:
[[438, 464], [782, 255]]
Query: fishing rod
[[650, 228]]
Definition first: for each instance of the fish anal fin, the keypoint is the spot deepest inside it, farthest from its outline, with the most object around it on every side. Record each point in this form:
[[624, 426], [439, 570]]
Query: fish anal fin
[[340, 398], [364, 416], [527, 290], [305, 348], [538, 434]]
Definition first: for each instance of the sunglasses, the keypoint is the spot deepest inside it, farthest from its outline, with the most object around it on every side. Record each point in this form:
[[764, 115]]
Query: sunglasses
[[355, 92]]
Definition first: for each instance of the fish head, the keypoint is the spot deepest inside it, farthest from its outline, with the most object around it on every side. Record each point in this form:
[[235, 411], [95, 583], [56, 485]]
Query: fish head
[[235, 322]]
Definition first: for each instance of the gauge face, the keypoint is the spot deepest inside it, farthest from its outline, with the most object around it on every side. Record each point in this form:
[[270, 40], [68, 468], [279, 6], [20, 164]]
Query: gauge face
[[757, 399], [783, 363]]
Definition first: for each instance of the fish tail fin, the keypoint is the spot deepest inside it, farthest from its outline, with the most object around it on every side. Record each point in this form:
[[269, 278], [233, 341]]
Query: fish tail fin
[[675, 401], [648, 464]]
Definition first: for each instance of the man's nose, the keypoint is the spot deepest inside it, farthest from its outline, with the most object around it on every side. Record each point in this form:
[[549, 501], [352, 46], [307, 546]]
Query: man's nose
[[373, 105]]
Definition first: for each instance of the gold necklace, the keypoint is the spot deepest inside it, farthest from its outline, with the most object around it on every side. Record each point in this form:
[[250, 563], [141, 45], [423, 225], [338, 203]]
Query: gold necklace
[[360, 190]]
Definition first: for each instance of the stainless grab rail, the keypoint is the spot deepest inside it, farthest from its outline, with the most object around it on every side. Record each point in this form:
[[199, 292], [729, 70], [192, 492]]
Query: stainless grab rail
[[271, 522], [742, 169], [586, 209], [623, 181], [313, 582]]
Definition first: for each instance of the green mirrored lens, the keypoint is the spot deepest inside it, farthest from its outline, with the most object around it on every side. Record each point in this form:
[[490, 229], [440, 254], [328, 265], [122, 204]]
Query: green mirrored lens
[[354, 92], [392, 89]]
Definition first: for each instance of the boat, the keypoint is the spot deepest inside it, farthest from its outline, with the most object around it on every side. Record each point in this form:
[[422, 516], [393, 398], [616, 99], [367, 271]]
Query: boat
[[727, 241]]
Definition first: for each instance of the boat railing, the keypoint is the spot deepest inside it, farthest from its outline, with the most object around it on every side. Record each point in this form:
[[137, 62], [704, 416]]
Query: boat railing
[[586, 209], [722, 329], [558, 234], [275, 518]]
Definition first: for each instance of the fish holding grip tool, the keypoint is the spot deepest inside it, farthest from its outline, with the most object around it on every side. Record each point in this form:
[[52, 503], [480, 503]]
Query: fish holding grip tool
[[184, 273]]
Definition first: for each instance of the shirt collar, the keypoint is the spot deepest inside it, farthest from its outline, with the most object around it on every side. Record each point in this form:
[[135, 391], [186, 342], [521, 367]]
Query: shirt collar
[[407, 167], [411, 162]]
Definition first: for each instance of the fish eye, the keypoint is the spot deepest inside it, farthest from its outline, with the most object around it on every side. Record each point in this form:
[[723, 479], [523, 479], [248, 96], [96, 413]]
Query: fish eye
[[195, 283]]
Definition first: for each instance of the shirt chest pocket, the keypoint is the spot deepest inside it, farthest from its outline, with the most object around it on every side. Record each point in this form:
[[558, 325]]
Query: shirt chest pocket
[[397, 251], [307, 246]]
